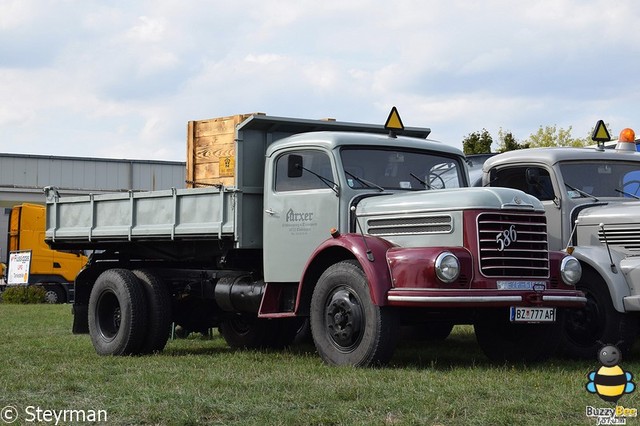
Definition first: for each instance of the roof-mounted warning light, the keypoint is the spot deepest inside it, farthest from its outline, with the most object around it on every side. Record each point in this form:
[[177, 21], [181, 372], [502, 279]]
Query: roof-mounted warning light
[[626, 140]]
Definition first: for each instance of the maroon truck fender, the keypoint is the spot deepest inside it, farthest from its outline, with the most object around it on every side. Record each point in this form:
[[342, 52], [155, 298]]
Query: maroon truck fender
[[342, 247]]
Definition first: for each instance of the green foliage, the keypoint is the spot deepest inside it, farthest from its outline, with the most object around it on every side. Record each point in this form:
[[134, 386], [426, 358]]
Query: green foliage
[[22, 294], [507, 142], [477, 143], [555, 136]]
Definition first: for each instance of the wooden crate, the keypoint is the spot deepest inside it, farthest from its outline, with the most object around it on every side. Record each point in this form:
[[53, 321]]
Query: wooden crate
[[211, 151]]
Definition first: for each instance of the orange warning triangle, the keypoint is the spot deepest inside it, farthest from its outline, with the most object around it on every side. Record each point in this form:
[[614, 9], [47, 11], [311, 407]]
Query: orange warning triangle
[[600, 133], [394, 122]]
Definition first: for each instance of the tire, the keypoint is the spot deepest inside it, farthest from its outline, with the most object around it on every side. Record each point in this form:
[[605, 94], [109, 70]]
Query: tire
[[504, 341], [53, 293], [586, 330], [347, 327], [159, 317], [117, 313], [249, 332]]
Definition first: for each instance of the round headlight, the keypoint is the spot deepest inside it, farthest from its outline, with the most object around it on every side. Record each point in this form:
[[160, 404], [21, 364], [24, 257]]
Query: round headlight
[[447, 267], [570, 270]]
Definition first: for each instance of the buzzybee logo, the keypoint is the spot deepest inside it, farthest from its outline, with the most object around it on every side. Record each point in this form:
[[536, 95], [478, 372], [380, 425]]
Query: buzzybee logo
[[610, 382]]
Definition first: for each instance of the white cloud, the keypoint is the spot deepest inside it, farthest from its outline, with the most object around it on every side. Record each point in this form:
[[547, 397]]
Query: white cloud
[[122, 78]]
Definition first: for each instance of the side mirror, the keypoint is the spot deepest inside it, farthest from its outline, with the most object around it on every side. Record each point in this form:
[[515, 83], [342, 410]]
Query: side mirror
[[532, 175], [493, 175], [294, 166]]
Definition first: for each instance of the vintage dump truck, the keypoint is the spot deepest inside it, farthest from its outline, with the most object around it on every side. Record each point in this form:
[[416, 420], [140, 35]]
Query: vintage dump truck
[[591, 200], [349, 225]]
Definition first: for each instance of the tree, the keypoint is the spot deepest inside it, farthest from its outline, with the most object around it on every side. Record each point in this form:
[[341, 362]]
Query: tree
[[477, 143], [554, 136], [507, 142]]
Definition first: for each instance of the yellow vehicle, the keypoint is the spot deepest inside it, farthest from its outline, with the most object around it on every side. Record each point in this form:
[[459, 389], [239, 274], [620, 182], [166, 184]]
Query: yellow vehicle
[[54, 270]]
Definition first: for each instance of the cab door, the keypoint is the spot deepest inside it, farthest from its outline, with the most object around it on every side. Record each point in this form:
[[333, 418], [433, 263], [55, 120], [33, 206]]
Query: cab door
[[300, 207]]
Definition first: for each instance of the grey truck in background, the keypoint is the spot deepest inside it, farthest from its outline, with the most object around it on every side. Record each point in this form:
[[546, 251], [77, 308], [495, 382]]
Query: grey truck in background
[[590, 196], [343, 224]]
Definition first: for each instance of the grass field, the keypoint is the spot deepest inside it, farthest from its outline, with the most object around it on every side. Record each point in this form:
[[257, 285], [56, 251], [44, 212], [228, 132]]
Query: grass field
[[201, 381]]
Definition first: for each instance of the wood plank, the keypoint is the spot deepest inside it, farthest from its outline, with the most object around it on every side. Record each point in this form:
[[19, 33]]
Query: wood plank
[[211, 150], [190, 160], [210, 153]]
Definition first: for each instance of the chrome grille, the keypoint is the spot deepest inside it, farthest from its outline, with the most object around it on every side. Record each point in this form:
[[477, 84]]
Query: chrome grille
[[410, 225], [527, 256], [626, 236]]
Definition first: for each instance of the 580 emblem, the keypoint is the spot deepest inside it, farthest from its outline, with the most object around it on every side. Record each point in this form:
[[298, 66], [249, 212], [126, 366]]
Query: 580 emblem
[[506, 238]]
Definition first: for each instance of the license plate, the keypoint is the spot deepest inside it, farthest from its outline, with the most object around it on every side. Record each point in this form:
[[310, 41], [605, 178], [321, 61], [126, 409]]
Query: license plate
[[523, 314]]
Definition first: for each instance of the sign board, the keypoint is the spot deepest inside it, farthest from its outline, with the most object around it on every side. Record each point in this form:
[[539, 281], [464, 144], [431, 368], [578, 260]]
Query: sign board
[[19, 266], [226, 167], [600, 133], [394, 122]]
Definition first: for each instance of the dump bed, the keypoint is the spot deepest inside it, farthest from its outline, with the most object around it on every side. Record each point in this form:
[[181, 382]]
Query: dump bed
[[130, 216]]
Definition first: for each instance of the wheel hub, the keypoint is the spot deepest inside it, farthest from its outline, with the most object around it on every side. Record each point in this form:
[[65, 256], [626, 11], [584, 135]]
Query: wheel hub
[[109, 315], [583, 324], [344, 318]]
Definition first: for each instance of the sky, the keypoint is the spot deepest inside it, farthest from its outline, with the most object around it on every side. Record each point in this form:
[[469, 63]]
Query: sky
[[121, 79]]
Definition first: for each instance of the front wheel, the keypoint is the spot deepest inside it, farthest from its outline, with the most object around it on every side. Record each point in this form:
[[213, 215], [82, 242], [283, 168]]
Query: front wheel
[[347, 327], [597, 324], [502, 340]]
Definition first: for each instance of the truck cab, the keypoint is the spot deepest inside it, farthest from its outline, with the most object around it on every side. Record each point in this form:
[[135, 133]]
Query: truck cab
[[53, 270], [315, 179]]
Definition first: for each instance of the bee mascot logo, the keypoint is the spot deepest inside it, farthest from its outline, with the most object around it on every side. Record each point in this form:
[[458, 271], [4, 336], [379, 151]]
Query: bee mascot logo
[[610, 381]]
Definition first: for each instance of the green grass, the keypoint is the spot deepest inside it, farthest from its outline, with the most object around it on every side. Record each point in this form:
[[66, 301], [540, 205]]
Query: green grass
[[201, 381]]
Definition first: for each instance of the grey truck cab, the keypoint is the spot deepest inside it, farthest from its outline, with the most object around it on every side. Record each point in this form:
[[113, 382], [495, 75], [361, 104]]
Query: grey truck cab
[[590, 196], [343, 224]]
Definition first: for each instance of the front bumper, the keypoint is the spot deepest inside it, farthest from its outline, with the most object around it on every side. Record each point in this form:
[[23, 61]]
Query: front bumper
[[484, 298]]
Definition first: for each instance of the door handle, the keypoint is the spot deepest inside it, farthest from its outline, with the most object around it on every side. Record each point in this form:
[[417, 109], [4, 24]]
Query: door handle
[[269, 212]]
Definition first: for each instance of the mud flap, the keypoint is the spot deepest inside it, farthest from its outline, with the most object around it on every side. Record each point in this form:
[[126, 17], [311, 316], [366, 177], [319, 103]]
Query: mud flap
[[80, 319]]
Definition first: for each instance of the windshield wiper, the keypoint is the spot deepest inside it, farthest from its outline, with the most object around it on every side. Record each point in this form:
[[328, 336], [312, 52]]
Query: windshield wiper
[[330, 184], [581, 192], [365, 182], [627, 193], [426, 185]]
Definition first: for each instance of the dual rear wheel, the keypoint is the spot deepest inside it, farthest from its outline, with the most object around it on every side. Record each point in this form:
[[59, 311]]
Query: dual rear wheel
[[129, 313]]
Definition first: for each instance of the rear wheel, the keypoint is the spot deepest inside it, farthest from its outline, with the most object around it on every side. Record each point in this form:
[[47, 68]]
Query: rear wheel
[[501, 340], [158, 312], [587, 329], [117, 313], [347, 327]]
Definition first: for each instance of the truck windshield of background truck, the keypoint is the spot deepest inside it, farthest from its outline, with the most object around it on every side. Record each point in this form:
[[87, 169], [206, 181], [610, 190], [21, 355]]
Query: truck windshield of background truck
[[602, 179], [400, 169]]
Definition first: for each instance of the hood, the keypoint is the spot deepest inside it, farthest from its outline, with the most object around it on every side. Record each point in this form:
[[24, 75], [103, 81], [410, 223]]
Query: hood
[[613, 213], [448, 200]]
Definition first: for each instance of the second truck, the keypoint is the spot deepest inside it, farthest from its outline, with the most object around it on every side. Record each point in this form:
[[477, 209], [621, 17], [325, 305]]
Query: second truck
[[346, 224], [591, 198], [53, 270]]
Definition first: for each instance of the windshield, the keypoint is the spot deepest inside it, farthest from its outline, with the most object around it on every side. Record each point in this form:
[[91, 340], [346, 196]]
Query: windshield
[[602, 179], [398, 169]]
